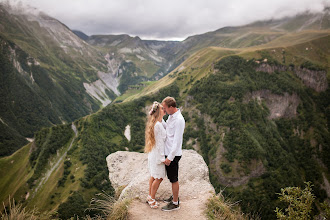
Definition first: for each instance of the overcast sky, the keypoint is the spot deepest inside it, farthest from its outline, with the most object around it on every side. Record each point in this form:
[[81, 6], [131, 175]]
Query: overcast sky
[[167, 19]]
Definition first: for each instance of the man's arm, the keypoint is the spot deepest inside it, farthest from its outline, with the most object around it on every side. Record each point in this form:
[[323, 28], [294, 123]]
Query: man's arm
[[178, 138]]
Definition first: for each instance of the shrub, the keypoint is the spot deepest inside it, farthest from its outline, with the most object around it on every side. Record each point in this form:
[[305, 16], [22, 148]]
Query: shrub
[[226, 168], [300, 202], [73, 207]]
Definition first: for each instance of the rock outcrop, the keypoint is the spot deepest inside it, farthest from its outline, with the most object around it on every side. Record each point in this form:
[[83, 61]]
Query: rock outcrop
[[265, 67], [315, 79], [130, 170], [279, 105]]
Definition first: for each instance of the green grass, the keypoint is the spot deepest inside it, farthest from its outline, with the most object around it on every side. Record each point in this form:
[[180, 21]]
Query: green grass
[[134, 91], [220, 208], [200, 64], [14, 172], [196, 67], [297, 54], [148, 67], [50, 195]]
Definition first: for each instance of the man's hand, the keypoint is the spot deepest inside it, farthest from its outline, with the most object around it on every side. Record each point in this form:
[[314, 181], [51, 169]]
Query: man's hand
[[167, 162]]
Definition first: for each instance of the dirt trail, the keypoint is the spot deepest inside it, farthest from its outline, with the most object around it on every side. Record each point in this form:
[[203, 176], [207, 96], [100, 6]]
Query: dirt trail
[[189, 209], [55, 166]]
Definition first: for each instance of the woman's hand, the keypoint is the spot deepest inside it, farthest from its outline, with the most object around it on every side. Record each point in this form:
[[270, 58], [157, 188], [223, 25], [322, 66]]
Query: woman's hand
[[167, 162]]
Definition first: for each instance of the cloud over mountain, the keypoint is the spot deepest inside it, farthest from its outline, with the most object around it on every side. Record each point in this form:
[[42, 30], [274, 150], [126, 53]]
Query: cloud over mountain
[[171, 19]]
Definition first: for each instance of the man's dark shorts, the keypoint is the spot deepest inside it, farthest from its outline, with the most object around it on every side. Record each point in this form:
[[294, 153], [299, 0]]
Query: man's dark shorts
[[173, 170]]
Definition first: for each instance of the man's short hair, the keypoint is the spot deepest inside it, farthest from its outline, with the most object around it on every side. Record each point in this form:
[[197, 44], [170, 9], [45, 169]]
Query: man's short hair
[[169, 101]]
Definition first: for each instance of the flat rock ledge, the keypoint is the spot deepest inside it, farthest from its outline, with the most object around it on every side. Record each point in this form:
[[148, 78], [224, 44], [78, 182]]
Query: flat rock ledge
[[129, 170]]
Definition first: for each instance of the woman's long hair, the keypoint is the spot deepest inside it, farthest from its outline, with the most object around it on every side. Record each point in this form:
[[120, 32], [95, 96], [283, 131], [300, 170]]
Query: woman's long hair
[[153, 117]]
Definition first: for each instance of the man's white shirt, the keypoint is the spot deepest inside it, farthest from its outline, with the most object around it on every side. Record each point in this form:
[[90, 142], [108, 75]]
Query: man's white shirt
[[174, 126]]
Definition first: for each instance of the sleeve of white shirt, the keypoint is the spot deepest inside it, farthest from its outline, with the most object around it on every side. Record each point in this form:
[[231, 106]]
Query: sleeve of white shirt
[[178, 138], [164, 123]]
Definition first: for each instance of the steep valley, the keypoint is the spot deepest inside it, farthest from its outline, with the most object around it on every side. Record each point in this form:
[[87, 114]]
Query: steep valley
[[255, 99]]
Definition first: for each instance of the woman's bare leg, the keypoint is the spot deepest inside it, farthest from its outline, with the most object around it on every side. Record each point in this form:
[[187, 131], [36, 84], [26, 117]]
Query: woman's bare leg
[[154, 187], [151, 180]]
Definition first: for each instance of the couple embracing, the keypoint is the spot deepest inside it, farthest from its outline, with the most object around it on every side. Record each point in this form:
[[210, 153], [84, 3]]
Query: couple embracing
[[164, 148]]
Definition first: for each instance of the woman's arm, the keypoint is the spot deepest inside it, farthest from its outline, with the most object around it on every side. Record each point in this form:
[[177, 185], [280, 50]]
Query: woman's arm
[[160, 157]]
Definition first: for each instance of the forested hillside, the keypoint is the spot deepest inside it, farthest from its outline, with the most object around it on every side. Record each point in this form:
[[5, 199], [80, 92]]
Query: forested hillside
[[265, 136], [255, 100]]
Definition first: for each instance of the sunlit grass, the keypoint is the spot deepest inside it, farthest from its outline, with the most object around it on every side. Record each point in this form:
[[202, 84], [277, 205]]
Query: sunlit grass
[[14, 172], [220, 208], [111, 208], [16, 212]]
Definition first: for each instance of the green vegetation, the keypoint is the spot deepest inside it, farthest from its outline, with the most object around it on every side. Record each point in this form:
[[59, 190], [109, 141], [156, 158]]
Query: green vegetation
[[222, 120], [73, 207], [220, 208], [47, 142], [35, 97], [299, 203], [129, 76], [98, 136], [252, 136], [14, 174], [110, 208]]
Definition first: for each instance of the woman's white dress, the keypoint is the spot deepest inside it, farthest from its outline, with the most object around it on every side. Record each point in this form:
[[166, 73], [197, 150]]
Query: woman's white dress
[[157, 155]]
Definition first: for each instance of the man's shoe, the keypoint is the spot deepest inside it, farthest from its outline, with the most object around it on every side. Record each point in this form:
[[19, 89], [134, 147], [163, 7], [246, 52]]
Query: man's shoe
[[170, 207], [169, 199]]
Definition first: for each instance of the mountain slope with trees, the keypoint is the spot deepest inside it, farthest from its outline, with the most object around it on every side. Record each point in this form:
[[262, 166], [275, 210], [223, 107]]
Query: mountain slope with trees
[[258, 115]]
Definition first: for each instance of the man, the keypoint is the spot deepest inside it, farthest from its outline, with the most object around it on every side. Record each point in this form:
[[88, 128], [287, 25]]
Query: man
[[174, 125]]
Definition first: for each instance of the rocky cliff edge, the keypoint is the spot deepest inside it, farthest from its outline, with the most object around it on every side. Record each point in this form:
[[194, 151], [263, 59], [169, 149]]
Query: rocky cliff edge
[[129, 171]]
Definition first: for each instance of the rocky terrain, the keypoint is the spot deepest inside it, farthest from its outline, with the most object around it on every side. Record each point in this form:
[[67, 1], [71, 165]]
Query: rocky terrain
[[129, 170]]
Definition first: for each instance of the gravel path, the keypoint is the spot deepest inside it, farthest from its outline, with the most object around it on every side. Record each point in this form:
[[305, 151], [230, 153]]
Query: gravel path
[[189, 209]]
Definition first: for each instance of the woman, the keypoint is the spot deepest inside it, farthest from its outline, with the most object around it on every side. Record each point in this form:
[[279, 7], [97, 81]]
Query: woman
[[155, 136]]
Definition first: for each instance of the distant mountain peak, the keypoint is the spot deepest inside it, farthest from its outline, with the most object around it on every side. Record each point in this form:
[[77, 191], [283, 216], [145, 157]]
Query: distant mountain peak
[[81, 35]]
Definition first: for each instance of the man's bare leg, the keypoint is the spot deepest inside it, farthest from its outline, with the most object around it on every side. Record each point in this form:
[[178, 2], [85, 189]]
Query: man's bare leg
[[175, 191]]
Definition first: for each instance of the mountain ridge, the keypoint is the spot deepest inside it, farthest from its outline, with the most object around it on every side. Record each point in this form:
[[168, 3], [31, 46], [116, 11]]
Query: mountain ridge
[[251, 133]]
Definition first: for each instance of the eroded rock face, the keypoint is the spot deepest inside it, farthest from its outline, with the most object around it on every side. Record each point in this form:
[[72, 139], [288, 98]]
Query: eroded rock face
[[265, 67], [314, 79], [130, 169], [279, 105]]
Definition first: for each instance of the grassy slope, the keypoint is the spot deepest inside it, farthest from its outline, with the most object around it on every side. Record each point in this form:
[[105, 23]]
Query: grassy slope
[[17, 165], [49, 193], [56, 93], [16, 170], [200, 63], [296, 53]]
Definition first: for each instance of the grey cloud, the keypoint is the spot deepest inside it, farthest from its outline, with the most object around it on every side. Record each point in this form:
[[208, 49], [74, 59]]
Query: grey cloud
[[171, 19]]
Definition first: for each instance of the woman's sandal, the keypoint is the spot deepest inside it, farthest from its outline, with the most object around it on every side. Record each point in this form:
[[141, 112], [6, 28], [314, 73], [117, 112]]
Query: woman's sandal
[[148, 198], [153, 204]]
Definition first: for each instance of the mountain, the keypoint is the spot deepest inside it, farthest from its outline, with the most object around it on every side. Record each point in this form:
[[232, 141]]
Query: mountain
[[257, 33], [152, 57], [42, 69], [50, 76], [256, 109], [80, 34]]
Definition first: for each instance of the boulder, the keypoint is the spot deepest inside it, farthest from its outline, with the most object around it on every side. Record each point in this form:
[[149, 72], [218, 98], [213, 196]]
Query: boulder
[[129, 170]]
